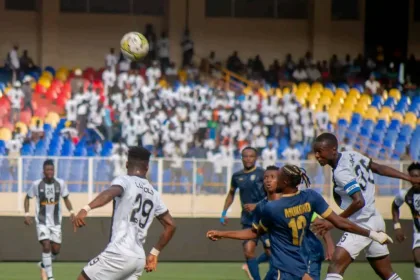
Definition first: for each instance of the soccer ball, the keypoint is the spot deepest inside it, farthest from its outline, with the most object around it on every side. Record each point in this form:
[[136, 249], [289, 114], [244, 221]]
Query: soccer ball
[[134, 46]]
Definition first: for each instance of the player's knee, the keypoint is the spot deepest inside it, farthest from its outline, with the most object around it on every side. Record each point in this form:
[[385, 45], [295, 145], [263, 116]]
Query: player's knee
[[46, 247], [55, 250], [335, 267], [249, 253], [417, 263]]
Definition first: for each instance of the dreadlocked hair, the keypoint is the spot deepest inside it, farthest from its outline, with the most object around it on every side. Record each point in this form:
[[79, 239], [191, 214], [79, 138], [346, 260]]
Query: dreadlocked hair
[[297, 175], [414, 166]]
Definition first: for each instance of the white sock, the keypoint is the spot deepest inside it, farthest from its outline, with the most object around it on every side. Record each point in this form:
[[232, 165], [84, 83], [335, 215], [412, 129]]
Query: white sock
[[54, 256], [395, 277], [416, 273], [334, 276], [47, 262]]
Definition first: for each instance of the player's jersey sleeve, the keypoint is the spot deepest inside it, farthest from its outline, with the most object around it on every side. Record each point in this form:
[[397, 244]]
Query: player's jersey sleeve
[[120, 181], [257, 215], [266, 220], [160, 205], [233, 183], [31, 192], [347, 180], [400, 198], [319, 205], [64, 189]]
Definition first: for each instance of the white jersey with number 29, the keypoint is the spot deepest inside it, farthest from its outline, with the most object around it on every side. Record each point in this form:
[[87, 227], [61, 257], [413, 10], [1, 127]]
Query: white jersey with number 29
[[352, 175], [133, 214]]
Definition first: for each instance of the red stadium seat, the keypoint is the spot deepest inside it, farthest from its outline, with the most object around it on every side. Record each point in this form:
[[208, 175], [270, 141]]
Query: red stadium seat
[[25, 117], [40, 89], [61, 101], [41, 112]]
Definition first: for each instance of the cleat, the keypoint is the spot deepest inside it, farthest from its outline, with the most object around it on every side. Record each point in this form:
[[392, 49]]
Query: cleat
[[43, 273], [248, 274]]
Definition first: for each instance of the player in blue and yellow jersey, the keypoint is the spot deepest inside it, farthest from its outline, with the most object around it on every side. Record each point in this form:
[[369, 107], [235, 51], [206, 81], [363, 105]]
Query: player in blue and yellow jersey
[[287, 220], [311, 249], [249, 182]]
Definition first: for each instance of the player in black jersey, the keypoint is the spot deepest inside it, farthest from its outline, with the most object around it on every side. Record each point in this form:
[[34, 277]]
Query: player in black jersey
[[412, 198]]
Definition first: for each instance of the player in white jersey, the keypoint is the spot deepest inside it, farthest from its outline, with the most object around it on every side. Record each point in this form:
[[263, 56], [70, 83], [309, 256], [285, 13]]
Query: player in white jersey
[[136, 203], [411, 197], [48, 192], [354, 192]]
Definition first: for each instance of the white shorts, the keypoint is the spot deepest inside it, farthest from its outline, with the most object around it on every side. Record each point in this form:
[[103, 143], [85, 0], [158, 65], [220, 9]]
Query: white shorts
[[114, 266], [52, 233], [354, 243]]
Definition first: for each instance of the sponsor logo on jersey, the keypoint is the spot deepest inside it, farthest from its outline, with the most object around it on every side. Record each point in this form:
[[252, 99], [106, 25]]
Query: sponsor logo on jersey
[[252, 177]]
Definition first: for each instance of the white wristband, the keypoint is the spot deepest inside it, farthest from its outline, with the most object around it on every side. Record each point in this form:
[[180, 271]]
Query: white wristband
[[87, 208], [71, 211], [397, 226], [27, 214], [154, 252]]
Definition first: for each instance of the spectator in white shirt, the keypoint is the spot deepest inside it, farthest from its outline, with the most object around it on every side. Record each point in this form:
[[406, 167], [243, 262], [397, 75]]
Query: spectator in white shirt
[[269, 155], [118, 161], [323, 120], [124, 64], [153, 74], [14, 61], [313, 73], [300, 73], [111, 60], [13, 151], [308, 133], [372, 84], [15, 96], [346, 146], [291, 154], [109, 78], [163, 51]]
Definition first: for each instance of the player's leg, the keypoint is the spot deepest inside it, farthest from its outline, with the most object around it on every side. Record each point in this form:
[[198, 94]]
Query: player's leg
[[383, 268], [265, 256], [348, 248], [249, 253], [46, 258], [55, 241], [416, 254]]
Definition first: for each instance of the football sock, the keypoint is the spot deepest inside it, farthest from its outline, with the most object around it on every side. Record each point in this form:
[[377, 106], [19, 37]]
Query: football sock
[[394, 277], [416, 273], [47, 262], [262, 258], [253, 268], [334, 276]]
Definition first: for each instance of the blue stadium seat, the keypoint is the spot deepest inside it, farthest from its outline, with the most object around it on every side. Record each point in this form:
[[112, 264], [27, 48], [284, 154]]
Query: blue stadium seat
[[344, 87]]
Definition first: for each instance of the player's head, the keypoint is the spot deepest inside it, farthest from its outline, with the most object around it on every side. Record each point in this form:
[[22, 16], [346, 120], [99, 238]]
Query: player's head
[[249, 157], [138, 161], [291, 176], [270, 179], [325, 148], [48, 168], [414, 171]]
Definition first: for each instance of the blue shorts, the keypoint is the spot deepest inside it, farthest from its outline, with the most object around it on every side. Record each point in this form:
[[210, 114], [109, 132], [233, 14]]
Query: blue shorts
[[275, 274], [263, 238], [314, 270]]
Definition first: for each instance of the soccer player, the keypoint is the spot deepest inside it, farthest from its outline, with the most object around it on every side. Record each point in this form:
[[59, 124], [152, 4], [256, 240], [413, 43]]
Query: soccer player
[[47, 192], [354, 192], [312, 248], [250, 183], [135, 202], [287, 220], [412, 198]]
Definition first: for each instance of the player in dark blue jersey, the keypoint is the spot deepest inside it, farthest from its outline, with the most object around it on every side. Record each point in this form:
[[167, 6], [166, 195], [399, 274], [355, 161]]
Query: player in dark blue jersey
[[287, 220], [249, 182], [311, 249]]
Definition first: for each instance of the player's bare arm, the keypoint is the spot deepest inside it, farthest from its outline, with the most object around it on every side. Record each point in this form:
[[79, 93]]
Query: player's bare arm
[[28, 219], [399, 233], [387, 171], [245, 234], [102, 199], [169, 228], [329, 244], [228, 202], [69, 207]]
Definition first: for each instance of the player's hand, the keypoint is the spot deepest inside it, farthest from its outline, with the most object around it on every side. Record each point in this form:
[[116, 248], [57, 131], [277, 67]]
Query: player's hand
[[224, 220], [380, 237], [320, 227], [214, 235], [28, 221], [399, 235], [151, 263], [250, 207], [329, 252], [72, 217], [79, 220]]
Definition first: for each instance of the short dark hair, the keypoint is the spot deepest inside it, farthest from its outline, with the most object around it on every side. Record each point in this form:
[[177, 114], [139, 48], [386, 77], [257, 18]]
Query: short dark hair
[[272, 167], [413, 166], [328, 138], [48, 162], [250, 148], [138, 154], [296, 175]]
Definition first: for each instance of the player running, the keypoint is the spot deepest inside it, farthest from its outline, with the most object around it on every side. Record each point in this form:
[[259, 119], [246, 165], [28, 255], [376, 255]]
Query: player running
[[412, 198], [250, 183], [287, 220], [354, 192], [312, 249], [136, 202], [47, 192]]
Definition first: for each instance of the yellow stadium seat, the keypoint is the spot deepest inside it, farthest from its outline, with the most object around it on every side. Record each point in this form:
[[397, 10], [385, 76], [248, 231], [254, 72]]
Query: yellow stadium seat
[[387, 110], [61, 76], [286, 90], [63, 70], [397, 116], [365, 98], [35, 119], [47, 75], [410, 118], [341, 93], [294, 87], [278, 93], [371, 113], [304, 86], [317, 86], [359, 110], [354, 92], [395, 93], [44, 82], [345, 115], [23, 127], [384, 116], [302, 92], [5, 134], [327, 92]]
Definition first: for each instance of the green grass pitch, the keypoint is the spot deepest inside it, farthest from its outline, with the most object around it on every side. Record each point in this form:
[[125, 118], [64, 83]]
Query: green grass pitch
[[185, 271]]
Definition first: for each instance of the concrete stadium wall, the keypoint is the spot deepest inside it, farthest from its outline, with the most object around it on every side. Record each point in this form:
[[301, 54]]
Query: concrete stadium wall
[[19, 243]]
